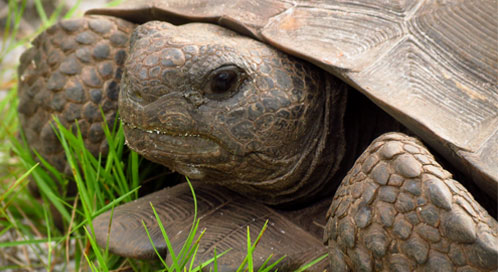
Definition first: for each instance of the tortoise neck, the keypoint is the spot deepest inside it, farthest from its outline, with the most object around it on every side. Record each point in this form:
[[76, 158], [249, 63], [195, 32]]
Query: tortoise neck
[[348, 123]]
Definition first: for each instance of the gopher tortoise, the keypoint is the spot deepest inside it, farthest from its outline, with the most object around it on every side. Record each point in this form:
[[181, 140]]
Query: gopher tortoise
[[310, 114]]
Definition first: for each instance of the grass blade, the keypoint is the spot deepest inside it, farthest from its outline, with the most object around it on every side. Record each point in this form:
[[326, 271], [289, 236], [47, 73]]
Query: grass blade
[[312, 263]]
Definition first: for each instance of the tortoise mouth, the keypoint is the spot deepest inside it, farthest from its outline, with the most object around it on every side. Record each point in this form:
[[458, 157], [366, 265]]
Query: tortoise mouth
[[161, 145]]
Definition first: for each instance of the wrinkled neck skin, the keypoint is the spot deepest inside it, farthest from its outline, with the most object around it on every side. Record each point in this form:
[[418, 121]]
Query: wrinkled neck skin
[[349, 124]]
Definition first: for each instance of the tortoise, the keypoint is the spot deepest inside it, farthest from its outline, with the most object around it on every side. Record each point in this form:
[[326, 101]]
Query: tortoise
[[308, 113]]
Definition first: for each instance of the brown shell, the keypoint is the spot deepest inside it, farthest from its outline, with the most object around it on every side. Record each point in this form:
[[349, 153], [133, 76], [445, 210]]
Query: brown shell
[[430, 64]]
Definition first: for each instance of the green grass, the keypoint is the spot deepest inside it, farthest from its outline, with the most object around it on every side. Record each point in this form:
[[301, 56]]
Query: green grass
[[102, 184]]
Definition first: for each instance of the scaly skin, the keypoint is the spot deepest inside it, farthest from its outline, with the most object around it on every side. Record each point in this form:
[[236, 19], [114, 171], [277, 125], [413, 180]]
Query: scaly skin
[[399, 210]]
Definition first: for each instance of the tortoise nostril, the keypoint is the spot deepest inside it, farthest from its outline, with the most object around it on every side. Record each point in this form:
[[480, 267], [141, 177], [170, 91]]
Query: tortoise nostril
[[194, 97]]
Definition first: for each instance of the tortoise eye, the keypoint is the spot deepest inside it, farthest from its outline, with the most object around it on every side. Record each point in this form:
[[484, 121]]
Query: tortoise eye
[[223, 82]]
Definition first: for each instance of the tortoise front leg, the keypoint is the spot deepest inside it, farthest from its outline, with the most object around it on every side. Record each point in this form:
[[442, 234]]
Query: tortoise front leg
[[224, 215], [72, 71], [399, 210]]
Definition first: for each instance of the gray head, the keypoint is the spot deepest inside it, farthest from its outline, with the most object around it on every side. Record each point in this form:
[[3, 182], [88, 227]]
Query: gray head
[[223, 108]]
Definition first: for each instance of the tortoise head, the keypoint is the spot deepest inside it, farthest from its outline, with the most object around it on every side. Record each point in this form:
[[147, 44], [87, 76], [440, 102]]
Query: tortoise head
[[223, 108]]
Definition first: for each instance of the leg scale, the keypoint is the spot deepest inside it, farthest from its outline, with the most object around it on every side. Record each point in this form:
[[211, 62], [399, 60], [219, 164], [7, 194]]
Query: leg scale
[[398, 210]]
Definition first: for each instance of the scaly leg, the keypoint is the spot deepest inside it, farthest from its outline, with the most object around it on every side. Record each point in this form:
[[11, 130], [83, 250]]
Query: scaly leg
[[398, 210], [73, 69]]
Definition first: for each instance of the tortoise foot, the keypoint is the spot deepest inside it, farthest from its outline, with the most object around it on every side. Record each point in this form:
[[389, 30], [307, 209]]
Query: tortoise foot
[[398, 210], [225, 217]]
